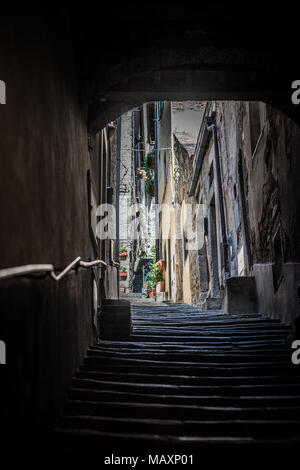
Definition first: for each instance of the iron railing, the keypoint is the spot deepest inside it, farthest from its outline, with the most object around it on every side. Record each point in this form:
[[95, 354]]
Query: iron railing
[[31, 269]]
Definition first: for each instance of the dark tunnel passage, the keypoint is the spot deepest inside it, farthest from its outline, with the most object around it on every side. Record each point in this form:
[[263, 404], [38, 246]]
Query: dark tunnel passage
[[94, 102]]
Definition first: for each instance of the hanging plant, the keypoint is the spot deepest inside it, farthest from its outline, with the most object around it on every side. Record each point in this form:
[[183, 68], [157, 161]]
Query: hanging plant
[[149, 187], [156, 273], [141, 173], [147, 175], [150, 160], [123, 253], [123, 272], [159, 270]]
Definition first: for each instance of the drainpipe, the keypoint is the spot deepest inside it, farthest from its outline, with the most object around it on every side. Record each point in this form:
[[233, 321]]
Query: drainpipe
[[118, 160], [213, 128], [156, 180]]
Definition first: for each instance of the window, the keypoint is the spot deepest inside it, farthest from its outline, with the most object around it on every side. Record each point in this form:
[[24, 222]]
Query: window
[[151, 122], [185, 247], [160, 109]]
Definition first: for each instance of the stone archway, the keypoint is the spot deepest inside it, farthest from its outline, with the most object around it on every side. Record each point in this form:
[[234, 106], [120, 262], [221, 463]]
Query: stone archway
[[197, 73]]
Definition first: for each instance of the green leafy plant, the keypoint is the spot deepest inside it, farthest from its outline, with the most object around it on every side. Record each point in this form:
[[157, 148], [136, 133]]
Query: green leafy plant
[[147, 174], [141, 254], [123, 269], [123, 251], [159, 270], [150, 278], [149, 160], [148, 186], [156, 273]]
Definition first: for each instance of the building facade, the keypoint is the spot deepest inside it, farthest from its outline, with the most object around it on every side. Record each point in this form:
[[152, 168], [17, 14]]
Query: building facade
[[236, 168]]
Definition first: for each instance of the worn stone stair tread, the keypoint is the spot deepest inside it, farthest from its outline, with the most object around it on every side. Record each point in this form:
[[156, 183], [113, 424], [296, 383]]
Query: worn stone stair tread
[[187, 379], [201, 370], [188, 355], [252, 428], [174, 439], [213, 399], [146, 387], [186, 376], [181, 422], [165, 406], [173, 411], [225, 347], [127, 360], [181, 346]]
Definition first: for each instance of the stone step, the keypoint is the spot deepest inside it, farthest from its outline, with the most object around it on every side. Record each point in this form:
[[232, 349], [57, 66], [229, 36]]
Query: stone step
[[180, 361], [226, 369], [91, 438], [160, 388], [187, 379], [212, 399], [217, 348], [137, 336], [242, 428]]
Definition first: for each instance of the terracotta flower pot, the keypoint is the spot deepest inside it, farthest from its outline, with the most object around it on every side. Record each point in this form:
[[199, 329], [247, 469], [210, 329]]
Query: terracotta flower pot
[[152, 292], [161, 286], [123, 275], [123, 256]]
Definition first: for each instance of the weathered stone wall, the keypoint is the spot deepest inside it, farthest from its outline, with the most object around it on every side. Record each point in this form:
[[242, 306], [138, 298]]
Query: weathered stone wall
[[273, 184], [260, 184], [188, 287], [127, 218], [44, 219], [270, 181]]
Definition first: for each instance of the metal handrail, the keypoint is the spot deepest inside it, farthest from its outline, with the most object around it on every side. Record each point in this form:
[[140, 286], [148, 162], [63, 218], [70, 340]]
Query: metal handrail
[[115, 263], [28, 269]]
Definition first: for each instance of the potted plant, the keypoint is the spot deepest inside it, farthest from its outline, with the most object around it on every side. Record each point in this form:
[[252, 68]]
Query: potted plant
[[123, 253], [147, 174], [151, 281], [149, 187], [150, 160], [123, 273], [153, 251], [159, 275], [141, 173]]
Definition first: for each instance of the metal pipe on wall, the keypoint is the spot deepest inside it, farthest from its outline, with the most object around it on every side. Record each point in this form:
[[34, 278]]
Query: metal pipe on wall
[[213, 128], [156, 178], [118, 162]]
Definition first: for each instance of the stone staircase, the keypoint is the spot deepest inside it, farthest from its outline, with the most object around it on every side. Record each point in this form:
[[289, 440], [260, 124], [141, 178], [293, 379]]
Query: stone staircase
[[187, 380]]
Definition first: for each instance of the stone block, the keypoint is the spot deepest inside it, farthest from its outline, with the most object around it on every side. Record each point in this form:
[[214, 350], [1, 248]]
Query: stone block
[[240, 295], [115, 319], [212, 303], [159, 296]]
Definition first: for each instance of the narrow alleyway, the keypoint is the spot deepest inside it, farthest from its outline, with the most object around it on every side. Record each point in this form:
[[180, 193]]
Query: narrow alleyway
[[186, 379]]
